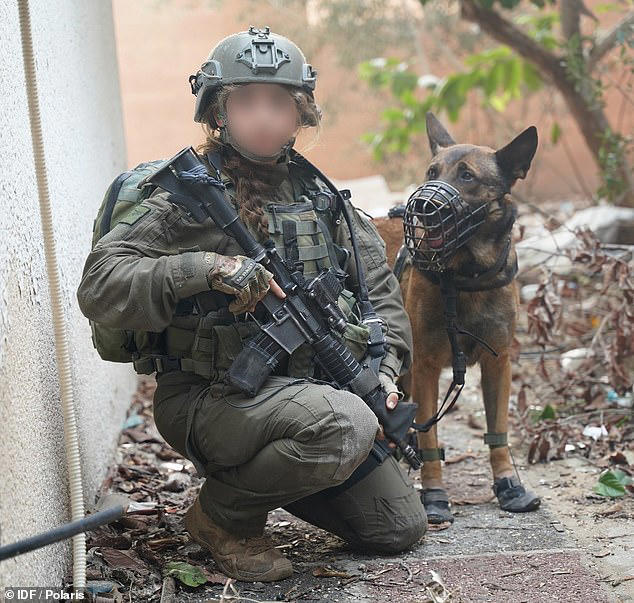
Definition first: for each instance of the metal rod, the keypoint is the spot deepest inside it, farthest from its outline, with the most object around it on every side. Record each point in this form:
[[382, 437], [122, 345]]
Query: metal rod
[[68, 530]]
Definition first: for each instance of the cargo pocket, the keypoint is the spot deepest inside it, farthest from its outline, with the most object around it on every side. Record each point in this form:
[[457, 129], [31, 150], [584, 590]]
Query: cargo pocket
[[356, 339], [301, 362], [356, 334], [174, 407], [371, 242], [191, 449], [114, 345]]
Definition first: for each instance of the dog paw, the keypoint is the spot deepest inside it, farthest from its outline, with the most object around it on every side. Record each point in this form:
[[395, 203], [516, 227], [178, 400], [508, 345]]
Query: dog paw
[[436, 503], [513, 497]]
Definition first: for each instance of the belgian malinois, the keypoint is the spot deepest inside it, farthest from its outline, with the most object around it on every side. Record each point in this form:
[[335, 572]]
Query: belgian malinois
[[483, 266]]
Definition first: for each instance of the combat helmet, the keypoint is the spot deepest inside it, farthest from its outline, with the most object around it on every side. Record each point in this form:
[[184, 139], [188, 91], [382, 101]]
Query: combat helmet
[[252, 56]]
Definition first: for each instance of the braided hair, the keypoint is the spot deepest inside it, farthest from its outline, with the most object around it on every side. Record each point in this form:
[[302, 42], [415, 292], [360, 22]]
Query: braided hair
[[254, 182]]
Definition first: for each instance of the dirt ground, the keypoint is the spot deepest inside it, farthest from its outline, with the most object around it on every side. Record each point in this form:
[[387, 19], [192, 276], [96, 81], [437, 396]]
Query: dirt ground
[[576, 547]]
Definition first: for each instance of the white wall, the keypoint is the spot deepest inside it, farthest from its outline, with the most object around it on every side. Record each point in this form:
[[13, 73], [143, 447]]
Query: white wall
[[84, 146]]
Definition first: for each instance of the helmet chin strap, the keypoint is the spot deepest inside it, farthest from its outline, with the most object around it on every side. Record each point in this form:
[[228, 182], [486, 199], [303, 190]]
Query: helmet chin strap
[[281, 156]]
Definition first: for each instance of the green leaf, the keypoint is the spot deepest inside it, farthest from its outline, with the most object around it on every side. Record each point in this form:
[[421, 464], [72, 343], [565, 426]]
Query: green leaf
[[547, 413], [555, 133], [500, 101], [408, 99], [392, 114], [515, 76], [612, 483], [623, 477], [186, 573], [532, 78], [403, 81]]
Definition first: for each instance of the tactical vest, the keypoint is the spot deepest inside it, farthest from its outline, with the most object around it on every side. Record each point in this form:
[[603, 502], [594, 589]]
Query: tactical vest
[[206, 342]]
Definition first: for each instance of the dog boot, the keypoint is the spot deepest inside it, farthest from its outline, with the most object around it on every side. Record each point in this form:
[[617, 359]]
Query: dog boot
[[436, 503], [513, 497], [253, 559]]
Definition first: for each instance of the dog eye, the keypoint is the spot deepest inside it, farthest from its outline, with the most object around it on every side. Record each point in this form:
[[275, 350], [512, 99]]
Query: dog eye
[[467, 176], [432, 172]]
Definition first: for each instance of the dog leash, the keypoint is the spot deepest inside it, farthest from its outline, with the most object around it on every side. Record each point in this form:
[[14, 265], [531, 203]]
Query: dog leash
[[459, 360]]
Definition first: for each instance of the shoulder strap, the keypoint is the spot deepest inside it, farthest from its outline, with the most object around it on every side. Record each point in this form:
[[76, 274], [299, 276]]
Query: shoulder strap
[[115, 187]]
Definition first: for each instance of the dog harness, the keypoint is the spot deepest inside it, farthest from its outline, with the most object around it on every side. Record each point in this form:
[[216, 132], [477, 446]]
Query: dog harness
[[472, 277]]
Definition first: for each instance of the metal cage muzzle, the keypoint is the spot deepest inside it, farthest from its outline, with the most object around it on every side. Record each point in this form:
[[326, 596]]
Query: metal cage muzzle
[[437, 222]]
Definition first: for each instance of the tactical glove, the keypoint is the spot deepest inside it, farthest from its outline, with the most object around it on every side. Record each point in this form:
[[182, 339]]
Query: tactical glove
[[390, 388], [240, 276], [388, 383]]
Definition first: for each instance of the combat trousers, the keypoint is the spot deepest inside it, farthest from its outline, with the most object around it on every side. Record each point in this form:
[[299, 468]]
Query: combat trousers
[[284, 448]]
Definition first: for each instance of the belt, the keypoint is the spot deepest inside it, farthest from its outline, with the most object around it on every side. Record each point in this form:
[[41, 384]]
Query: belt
[[159, 364], [165, 364]]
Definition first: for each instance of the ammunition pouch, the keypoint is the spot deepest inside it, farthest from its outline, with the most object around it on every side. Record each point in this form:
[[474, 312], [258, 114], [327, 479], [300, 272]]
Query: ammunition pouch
[[204, 345], [208, 345]]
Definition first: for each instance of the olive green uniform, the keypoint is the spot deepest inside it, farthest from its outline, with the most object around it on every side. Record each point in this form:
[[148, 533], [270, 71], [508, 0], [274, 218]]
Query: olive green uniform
[[298, 436]]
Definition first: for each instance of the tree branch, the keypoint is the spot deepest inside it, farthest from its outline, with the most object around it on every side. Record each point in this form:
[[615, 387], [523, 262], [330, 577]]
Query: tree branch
[[504, 31], [569, 13], [608, 41], [590, 117]]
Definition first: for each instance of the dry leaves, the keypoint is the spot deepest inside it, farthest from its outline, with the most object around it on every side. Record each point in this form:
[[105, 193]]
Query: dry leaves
[[118, 558], [329, 572], [583, 324]]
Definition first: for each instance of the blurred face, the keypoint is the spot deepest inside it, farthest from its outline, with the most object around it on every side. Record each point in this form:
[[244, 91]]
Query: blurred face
[[261, 117]]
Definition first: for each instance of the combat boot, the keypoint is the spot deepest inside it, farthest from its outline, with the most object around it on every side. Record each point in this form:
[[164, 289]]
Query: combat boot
[[253, 558]]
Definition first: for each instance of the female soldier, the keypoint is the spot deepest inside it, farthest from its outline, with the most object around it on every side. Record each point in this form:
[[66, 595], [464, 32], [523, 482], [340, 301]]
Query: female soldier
[[189, 296]]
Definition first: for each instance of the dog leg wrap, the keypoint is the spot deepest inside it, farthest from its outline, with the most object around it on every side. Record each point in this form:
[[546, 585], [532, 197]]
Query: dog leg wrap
[[431, 454], [496, 440]]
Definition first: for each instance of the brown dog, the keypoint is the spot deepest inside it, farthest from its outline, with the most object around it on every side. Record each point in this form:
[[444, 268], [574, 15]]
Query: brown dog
[[483, 268]]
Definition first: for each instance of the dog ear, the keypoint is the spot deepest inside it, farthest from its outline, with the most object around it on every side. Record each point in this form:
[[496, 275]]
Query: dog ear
[[438, 136], [515, 158]]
